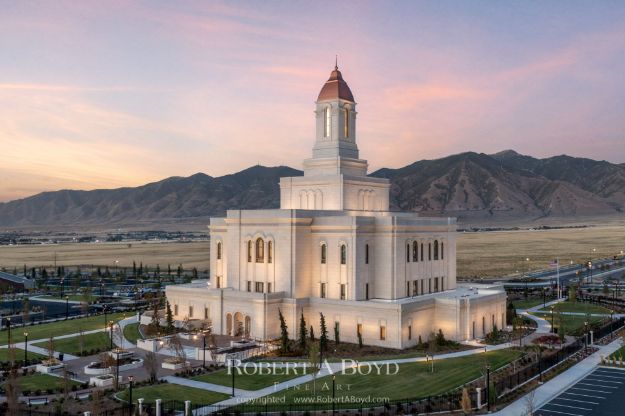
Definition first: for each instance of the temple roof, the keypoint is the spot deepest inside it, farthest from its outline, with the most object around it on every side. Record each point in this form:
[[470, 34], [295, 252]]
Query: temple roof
[[335, 88]]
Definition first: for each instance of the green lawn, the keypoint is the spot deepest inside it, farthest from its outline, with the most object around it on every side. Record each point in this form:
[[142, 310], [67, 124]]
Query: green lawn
[[54, 329], [527, 303], [618, 354], [73, 298], [97, 341], [19, 355], [249, 381], [131, 333], [573, 324], [42, 382], [579, 307], [174, 391], [414, 380]]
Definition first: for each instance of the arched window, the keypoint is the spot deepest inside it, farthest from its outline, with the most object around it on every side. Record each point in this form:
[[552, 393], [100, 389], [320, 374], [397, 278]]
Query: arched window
[[415, 251], [260, 250], [407, 253], [430, 251], [346, 122], [249, 251], [366, 253], [442, 251], [421, 251], [435, 249], [326, 122], [269, 251], [324, 254], [219, 250], [343, 254]]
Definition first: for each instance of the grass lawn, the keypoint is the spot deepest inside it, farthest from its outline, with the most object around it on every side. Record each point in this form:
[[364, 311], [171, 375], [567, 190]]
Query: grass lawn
[[579, 307], [618, 354], [573, 324], [168, 391], [72, 298], [414, 380], [98, 341], [19, 355], [249, 381], [54, 329], [527, 303], [131, 333], [42, 382]]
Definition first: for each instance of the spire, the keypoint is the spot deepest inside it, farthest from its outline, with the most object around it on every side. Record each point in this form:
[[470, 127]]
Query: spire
[[336, 62]]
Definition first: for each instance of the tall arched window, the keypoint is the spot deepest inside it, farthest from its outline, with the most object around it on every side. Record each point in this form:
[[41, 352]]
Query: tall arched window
[[408, 253], [421, 251], [269, 251], [366, 253], [435, 249], [346, 122], [219, 250], [415, 251], [249, 251], [260, 250], [442, 251], [324, 254], [326, 122], [343, 254], [430, 251]]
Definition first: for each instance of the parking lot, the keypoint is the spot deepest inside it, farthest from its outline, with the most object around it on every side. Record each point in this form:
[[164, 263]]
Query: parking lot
[[600, 393]]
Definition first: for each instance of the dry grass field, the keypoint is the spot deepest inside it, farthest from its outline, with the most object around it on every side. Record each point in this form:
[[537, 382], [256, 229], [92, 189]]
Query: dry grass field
[[481, 254]]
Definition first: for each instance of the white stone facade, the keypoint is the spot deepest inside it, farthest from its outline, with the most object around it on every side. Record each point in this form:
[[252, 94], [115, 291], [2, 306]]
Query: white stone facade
[[334, 248]]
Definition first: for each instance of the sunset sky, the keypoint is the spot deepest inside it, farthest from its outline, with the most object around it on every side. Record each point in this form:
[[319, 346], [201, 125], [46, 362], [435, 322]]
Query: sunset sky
[[120, 93]]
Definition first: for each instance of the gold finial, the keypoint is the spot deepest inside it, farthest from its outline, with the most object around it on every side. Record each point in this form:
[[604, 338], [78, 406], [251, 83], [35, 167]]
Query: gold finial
[[336, 62]]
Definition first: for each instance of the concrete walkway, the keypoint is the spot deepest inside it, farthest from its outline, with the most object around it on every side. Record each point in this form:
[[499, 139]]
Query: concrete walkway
[[205, 386], [558, 384], [542, 325]]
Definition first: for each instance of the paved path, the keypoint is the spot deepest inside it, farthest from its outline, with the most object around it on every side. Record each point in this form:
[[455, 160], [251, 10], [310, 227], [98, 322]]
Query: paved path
[[560, 383], [543, 326], [206, 386]]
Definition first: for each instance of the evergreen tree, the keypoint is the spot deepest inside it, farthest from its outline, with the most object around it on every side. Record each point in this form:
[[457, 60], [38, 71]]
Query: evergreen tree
[[33, 273], [179, 271], [337, 337], [195, 272], [99, 271], [134, 268], [170, 319], [169, 270], [323, 337], [158, 271], [156, 321], [359, 339], [440, 338], [302, 332], [140, 272], [284, 333], [25, 271], [44, 274], [312, 334]]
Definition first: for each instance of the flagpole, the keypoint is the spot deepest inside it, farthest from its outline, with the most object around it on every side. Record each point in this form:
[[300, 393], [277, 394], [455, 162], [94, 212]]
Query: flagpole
[[558, 277]]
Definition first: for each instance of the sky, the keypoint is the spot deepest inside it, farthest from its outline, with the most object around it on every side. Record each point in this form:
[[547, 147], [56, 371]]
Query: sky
[[120, 93]]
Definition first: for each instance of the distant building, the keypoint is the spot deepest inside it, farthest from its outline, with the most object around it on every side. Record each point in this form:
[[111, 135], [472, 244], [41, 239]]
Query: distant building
[[334, 247], [18, 283]]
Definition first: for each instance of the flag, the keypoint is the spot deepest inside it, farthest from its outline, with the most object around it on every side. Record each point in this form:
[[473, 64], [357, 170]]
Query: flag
[[553, 263]]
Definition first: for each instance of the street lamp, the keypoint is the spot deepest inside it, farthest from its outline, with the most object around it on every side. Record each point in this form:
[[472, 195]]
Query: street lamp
[[232, 369], [527, 277], [25, 348], [9, 329], [333, 393], [62, 287], [586, 336], [66, 307], [111, 325], [130, 404], [552, 327], [488, 388]]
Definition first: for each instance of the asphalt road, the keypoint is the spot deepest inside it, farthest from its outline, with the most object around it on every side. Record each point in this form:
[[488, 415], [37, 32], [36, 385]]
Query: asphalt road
[[600, 393]]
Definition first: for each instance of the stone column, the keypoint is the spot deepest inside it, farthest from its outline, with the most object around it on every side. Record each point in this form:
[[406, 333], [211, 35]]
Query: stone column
[[140, 401], [87, 413], [187, 407], [479, 397], [592, 338], [157, 405]]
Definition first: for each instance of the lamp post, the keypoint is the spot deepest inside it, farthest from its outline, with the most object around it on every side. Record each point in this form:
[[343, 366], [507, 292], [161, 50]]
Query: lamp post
[[488, 388], [66, 307], [9, 329], [232, 369], [62, 287], [552, 327], [333, 393], [130, 404], [586, 337], [25, 348], [544, 296], [611, 323], [527, 277], [111, 325], [204, 350]]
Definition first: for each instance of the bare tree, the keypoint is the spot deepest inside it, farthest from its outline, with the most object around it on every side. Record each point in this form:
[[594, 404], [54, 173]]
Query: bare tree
[[96, 403], [530, 404], [81, 341], [150, 362], [50, 349], [12, 391], [465, 402], [176, 346]]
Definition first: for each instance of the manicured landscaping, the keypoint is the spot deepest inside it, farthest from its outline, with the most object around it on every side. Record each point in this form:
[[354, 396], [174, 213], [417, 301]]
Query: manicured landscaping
[[99, 341], [55, 329], [618, 354], [42, 382], [577, 307], [131, 333], [527, 303], [71, 298], [573, 324], [251, 381], [19, 355], [414, 380], [168, 391]]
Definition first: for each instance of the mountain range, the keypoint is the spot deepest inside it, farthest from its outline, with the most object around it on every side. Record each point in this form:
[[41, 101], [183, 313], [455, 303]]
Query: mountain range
[[502, 186]]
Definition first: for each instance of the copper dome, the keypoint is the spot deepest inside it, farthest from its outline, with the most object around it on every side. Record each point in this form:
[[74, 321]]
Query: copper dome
[[335, 87]]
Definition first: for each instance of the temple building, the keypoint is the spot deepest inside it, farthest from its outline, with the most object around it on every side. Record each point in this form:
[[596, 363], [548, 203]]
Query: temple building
[[334, 247]]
